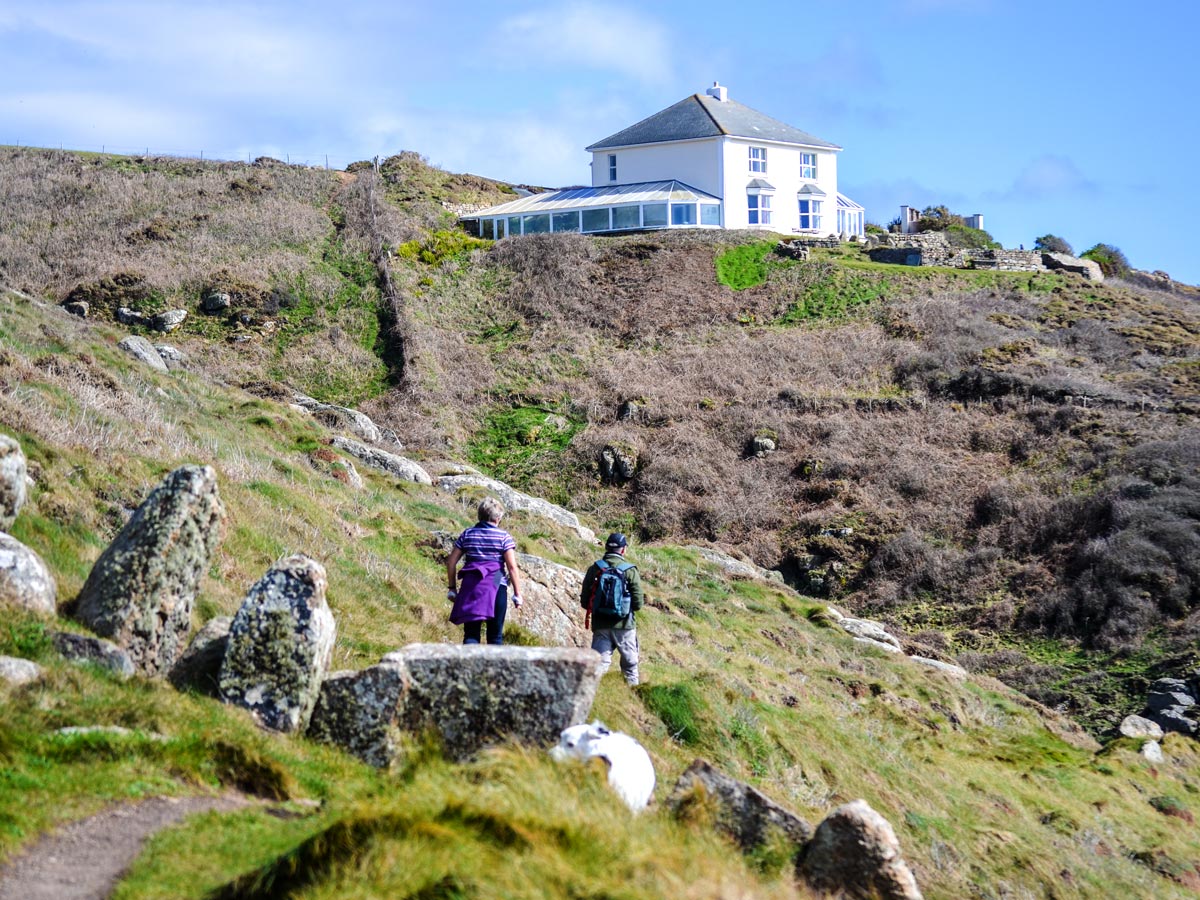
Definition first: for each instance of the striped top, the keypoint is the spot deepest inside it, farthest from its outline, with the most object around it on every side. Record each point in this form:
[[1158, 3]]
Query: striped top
[[485, 541]]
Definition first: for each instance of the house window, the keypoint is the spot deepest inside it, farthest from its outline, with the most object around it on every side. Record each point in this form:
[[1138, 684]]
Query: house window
[[808, 166], [758, 160], [626, 217], [683, 213], [759, 206], [486, 229], [612, 167], [810, 215], [539, 223], [710, 214], [514, 226], [654, 215], [566, 221], [595, 219]]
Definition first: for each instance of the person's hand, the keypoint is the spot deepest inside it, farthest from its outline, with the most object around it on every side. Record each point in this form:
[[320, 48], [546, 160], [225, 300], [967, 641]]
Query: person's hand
[[451, 594], [517, 601]]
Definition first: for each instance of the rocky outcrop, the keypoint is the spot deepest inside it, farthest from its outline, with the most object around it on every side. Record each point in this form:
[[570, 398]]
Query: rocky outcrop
[[515, 500], [551, 607], [740, 811], [141, 590], [1088, 268], [397, 466], [949, 668], [343, 418], [736, 568], [15, 671], [1174, 704], [865, 629], [618, 463], [358, 711], [168, 320], [143, 351], [81, 648], [1140, 727], [280, 645], [13, 484], [855, 853], [474, 696], [172, 356], [199, 667], [25, 580]]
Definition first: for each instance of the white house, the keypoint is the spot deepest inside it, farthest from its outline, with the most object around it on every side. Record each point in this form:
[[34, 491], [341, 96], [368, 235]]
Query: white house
[[705, 162]]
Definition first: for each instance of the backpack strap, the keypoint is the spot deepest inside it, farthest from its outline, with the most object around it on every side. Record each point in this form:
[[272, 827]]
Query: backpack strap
[[587, 619]]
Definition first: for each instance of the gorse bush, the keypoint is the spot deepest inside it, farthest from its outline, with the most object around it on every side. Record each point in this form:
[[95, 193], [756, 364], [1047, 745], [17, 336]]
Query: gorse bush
[[1052, 243], [1111, 260]]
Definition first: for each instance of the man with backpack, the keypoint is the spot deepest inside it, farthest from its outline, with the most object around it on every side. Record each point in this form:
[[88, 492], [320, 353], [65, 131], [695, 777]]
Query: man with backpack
[[612, 593]]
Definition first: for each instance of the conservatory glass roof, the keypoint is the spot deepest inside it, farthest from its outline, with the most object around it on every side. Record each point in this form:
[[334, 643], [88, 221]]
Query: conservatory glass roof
[[609, 195]]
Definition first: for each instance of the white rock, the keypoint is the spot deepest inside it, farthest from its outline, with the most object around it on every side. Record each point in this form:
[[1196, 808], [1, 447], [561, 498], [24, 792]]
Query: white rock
[[865, 628], [515, 500], [630, 771], [879, 645], [1140, 727], [949, 668], [1152, 750], [15, 670]]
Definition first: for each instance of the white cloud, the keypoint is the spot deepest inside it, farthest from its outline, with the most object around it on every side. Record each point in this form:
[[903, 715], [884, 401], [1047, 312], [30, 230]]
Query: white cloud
[[592, 36], [1046, 176]]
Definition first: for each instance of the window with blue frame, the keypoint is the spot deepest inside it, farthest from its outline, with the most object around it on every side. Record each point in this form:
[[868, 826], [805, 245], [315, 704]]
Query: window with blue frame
[[808, 166], [810, 215], [759, 207], [758, 160]]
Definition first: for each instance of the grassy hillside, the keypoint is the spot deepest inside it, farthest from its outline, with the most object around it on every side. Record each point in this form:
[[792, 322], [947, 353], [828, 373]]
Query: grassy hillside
[[925, 411]]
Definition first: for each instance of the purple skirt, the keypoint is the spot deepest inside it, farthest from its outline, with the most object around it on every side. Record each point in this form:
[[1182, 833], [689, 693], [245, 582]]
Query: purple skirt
[[479, 581]]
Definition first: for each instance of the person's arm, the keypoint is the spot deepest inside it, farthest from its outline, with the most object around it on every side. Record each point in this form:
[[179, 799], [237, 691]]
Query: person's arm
[[589, 585], [452, 573], [514, 576], [634, 579]]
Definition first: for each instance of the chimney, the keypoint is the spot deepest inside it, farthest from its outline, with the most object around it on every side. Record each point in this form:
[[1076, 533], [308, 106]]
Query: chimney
[[720, 93]]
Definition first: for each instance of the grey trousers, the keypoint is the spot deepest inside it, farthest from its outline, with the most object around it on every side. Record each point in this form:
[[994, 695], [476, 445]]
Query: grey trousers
[[626, 643]]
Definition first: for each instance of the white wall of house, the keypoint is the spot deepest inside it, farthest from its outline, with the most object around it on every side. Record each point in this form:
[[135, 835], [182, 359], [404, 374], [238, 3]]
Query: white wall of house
[[695, 163], [721, 166], [783, 173]]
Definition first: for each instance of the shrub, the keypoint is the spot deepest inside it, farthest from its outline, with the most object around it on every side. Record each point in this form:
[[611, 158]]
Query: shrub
[[1111, 260], [1052, 243]]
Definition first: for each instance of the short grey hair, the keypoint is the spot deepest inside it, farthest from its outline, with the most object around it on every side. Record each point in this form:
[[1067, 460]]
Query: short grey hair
[[490, 510]]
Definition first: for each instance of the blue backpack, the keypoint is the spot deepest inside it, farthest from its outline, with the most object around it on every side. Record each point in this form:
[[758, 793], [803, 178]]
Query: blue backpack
[[612, 593]]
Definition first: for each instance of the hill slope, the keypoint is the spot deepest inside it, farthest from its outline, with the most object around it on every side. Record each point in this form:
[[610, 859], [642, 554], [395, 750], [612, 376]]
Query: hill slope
[[520, 357]]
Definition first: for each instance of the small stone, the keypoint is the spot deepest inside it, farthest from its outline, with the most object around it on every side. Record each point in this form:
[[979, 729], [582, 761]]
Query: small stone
[[215, 302], [1140, 727], [1152, 751], [142, 350], [16, 671], [169, 320], [14, 480], [127, 316], [81, 648], [77, 308], [25, 580]]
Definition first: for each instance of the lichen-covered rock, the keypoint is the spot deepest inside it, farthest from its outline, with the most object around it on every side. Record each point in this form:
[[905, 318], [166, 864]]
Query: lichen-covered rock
[[854, 851], [13, 474], [141, 590], [473, 696], [16, 671], [25, 581], [872, 631], [736, 568], [743, 813], [515, 500], [357, 711], [949, 668], [168, 320], [1140, 727], [618, 463], [143, 351], [551, 607], [340, 417], [280, 646], [81, 648], [398, 466], [199, 667]]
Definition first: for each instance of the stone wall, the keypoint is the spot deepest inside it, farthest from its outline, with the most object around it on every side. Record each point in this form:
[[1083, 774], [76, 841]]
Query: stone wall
[[1005, 260]]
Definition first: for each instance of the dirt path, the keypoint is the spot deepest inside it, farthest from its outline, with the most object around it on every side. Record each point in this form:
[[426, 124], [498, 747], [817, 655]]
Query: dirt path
[[84, 860]]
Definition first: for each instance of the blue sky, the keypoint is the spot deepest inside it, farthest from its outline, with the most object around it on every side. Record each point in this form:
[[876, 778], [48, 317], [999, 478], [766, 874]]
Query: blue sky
[[1073, 118]]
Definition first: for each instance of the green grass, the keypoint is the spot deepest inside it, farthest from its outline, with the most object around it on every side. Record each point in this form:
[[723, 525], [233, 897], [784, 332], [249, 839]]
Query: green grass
[[515, 442], [743, 267]]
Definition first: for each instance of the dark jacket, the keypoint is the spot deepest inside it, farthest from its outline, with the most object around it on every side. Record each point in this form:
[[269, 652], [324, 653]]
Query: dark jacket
[[632, 579]]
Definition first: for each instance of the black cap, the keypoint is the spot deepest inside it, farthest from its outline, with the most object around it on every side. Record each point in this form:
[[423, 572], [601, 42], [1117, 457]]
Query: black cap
[[615, 541]]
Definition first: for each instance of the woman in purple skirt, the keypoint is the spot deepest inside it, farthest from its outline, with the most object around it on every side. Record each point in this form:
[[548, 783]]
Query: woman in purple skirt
[[483, 595]]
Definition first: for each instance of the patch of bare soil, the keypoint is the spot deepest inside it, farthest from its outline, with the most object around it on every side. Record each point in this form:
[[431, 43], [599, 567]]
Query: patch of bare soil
[[86, 859]]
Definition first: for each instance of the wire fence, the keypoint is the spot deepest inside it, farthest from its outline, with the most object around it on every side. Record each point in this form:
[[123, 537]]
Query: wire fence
[[311, 160]]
